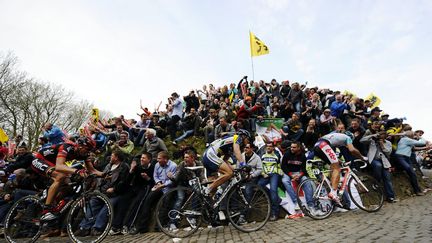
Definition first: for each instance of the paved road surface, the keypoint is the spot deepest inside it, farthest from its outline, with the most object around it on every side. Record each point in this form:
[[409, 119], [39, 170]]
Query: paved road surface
[[407, 221]]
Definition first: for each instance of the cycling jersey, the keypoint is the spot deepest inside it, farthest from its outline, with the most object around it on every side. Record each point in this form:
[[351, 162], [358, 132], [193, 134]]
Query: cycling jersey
[[46, 157], [338, 139], [324, 147], [212, 157]]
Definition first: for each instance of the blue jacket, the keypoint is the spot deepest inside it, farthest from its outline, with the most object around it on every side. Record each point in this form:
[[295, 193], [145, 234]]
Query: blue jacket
[[54, 135], [337, 108]]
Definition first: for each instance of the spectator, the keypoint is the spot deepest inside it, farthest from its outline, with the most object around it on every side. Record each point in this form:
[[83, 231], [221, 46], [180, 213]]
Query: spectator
[[162, 185], [338, 106], [327, 122], [270, 175], [358, 132], [114, 188], [137, 132], [403, 154], [141, 181], [295, 96], [191, 101], [182, 175], [379, 151], [223, 128], [191, 123], [209, 123], [53, 133], [293, 128], [293, 166], [175, 115], [374, 115], [285, 89], [98, 137], [153, 144], [252, 160], [311, 136], [113, 136], [18, 186], [3, 154], [124, 144], [23, 159]]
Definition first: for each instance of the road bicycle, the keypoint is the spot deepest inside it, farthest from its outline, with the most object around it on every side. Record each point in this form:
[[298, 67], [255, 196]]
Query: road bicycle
[[23, 222], [182, 210], [363, 190]]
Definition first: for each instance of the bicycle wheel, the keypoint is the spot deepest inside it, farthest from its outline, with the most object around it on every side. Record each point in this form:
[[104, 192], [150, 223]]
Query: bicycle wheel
[[366, 192], [90, 217], [312, 198], [248, 207], [22, 222], [179, 212]]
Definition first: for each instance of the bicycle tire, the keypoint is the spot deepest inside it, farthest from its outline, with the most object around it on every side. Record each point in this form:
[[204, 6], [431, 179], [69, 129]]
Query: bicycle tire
[[87, 204], [179, 217], [370, 200], [24, 226], [317, 206], [248, 207]]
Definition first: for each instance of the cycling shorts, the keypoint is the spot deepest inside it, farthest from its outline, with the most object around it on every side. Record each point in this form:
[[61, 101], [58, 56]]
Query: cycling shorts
[[325, 152], [211, 161]]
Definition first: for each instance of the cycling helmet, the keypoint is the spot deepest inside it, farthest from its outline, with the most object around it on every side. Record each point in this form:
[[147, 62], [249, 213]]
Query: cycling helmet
[[86, 141], [349, 134], [244, 132]]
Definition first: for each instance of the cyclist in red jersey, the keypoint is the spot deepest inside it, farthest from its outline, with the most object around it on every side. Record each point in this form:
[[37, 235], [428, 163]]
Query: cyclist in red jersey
[[51, 162]]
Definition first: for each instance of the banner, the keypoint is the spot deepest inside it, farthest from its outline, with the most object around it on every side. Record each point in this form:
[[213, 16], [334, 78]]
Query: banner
[[268, 129], [258, 47], [3, 136], [375, 100]]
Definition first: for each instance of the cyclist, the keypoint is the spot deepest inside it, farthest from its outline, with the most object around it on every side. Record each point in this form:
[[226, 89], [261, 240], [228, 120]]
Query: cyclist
[[213, 158], [51, 162], [324, 149]]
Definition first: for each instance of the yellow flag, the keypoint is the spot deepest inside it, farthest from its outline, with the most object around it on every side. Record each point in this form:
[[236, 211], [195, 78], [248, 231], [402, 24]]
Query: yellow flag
[[3, 136], [258, 47], [375, 100], [231, 96], [95, 115]]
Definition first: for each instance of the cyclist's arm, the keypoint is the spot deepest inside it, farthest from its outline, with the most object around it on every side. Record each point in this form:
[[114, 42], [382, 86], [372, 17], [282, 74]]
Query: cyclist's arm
[[62, 167], [355, 152], [90, 168], [237, 152]]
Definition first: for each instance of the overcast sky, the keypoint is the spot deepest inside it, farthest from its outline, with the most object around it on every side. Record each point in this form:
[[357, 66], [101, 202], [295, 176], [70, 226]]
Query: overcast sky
[[114, 53]]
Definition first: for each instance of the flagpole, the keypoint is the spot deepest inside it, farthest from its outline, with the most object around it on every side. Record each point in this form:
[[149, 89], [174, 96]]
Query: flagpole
[[253, 71]]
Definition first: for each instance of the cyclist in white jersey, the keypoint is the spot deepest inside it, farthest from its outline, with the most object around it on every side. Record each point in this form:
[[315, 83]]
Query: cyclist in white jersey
[[324, 150], [213, 157]]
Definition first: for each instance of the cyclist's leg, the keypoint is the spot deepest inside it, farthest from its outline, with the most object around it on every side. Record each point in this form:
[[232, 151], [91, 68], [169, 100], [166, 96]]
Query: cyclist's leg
[[58, 179], [335, 175], [325, 152], [226, 174]]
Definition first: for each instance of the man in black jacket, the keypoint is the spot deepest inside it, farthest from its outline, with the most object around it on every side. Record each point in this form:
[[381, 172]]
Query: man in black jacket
[[191, 124], [140, 181], [114, 187], [23, 160]]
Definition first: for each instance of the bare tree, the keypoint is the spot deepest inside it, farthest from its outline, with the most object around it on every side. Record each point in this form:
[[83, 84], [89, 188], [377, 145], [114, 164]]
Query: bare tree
[[26, 104]]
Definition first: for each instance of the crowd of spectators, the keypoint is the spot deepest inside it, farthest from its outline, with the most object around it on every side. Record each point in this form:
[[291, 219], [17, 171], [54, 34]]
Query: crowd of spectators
[[144, 168]]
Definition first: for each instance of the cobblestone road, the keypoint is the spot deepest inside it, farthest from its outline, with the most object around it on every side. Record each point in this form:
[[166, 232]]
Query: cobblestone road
[[409, 220]]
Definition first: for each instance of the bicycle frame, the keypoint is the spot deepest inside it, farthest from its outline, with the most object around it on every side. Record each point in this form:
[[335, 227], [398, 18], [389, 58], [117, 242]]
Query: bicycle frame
[[348, 174]]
